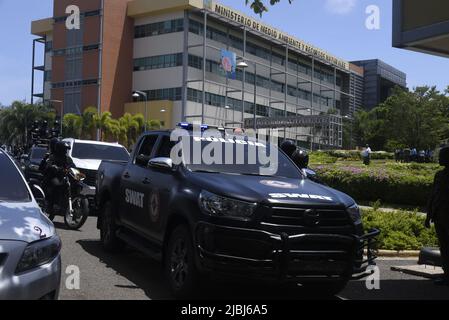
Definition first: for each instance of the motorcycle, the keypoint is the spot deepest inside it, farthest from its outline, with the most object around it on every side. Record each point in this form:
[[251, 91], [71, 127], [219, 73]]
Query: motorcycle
[[71, 201]]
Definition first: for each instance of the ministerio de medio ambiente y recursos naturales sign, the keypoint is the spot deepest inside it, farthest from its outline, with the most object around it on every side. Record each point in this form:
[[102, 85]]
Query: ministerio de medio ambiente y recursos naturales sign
[[274, 33]]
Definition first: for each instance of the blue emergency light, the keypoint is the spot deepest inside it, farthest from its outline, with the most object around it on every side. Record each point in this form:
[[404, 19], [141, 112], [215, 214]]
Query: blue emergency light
[[189, 126]]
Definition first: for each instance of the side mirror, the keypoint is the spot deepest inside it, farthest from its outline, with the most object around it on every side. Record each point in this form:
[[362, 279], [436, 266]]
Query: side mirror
[[38, 194], [309, 173], [161, 163]]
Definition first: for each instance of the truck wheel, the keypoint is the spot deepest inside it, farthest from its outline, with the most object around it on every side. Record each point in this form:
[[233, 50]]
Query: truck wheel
[[179, 263], [108, 229]]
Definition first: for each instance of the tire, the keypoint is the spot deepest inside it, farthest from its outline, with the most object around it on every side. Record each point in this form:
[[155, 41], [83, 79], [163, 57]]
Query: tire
[[75, 222], [108, 228], [179, 264]]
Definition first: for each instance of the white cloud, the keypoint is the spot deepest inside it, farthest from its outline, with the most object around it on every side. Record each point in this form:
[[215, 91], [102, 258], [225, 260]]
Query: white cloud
[[340, 6]]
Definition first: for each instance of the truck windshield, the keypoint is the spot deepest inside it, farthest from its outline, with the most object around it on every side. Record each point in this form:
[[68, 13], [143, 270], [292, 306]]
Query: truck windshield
[[89, 151], [12, 186], [244, 158]]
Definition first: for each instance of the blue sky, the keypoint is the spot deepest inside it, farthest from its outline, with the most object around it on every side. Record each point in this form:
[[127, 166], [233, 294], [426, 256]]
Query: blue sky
[[337, 26]]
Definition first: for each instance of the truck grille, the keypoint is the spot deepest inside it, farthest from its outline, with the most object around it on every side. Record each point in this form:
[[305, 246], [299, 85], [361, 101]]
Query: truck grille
[[308, 217], [91, 177]]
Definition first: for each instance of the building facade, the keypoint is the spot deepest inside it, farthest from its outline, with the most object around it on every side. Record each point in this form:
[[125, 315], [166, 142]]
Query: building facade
[[379, 80], [173, 51]]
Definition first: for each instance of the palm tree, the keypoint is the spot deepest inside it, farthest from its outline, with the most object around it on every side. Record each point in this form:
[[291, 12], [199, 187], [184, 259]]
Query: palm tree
[[102, 122], [16, 121], [131, 126], [73, 125], [89, 117]]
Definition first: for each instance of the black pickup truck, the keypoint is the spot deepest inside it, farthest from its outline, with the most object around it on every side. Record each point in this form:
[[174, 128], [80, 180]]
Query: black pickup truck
[[226, 219]]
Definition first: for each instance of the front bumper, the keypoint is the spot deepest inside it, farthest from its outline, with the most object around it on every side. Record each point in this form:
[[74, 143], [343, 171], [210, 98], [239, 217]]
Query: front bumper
[[284, 257], [39, 283]]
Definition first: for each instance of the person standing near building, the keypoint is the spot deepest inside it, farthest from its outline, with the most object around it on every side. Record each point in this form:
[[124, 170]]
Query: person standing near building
[[366, 155], [438, 212]]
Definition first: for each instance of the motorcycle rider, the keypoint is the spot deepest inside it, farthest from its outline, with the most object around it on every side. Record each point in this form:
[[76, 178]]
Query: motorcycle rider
[[51, 151], [55, 169], [300, 158]]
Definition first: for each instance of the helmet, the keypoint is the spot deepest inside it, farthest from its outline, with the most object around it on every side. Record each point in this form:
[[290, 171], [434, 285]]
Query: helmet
[[289, 147], [444, 156], [300, 158], [61, 148]]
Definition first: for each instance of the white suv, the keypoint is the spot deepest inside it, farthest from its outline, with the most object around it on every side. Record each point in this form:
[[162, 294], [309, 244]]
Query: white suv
[[87, 156]]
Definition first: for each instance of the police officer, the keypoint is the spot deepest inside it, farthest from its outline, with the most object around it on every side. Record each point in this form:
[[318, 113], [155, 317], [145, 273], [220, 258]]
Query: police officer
[[289, 147], [51, 151], [301, 159], [438, 212], [54, 171]]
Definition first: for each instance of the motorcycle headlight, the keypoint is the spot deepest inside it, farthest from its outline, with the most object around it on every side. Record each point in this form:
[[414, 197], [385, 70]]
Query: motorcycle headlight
[[39, 253], [218, 206], [77, 175], [354, 213]]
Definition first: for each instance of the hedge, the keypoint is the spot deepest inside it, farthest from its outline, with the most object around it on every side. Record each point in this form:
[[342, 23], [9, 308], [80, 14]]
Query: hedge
[[400, 230], [387, 184], [349, 155]]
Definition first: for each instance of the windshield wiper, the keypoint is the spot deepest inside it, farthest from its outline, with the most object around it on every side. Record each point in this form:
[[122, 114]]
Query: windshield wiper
[[255, 175], [205, 171]]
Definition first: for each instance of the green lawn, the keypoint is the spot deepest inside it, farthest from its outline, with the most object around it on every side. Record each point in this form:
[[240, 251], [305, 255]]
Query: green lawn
[[406, 185]]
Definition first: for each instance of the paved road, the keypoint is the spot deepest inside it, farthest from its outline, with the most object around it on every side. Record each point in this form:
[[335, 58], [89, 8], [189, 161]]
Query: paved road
[[130, 275]]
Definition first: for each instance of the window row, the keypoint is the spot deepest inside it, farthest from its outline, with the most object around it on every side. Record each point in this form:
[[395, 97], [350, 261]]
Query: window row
[[175, 60], [75, 50], [82, 15], [158, 28], [234, 104], [296, 65], [158, 62], [75, 83]]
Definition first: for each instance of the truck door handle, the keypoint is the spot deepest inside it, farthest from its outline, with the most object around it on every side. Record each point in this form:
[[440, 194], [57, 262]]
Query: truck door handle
[[146, 181], [126, 175]]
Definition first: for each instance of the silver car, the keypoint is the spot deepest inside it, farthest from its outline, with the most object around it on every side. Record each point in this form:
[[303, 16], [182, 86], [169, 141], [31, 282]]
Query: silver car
[[30, 261]]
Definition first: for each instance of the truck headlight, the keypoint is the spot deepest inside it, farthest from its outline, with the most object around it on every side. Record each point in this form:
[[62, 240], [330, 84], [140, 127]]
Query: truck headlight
[[354, 213], [218, 206], [39, 253]]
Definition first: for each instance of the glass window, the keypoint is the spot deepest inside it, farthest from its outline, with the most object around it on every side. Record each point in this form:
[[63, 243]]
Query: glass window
[[99, 152], [12, 188], [165, 147], [146, 150]]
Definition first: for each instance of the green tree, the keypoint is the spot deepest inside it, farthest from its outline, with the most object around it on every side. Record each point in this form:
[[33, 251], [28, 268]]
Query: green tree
[[103, 123], [16, 121], [72, 126], [415, 119], [90, 116], [259, 7]]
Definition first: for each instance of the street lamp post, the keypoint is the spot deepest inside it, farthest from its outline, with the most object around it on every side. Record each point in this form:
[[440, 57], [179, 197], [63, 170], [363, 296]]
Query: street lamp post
[[242, 65], [352, 124], [62, 112], [138, 94], [311, 128]]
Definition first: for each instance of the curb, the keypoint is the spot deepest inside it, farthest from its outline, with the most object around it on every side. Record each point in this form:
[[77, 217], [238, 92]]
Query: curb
[[398, 254]]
